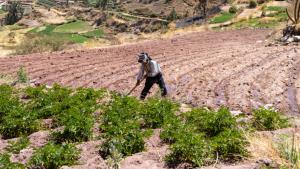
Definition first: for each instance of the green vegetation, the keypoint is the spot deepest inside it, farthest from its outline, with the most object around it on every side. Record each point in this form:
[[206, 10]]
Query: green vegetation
[[97, 33], [233, 9], [15, 119], [40, 44], [290, 150], [7, 164], [17, 146], [268, 119], [46, 3], [256, 23], [15, 13], [54, 156], [275, 8], [203, 135], [198, 137], [22, 75], [221, 18], [73, 27], [252, 4]]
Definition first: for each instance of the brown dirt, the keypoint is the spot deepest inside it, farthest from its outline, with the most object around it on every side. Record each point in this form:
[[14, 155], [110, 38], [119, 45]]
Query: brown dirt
[[234, 68]]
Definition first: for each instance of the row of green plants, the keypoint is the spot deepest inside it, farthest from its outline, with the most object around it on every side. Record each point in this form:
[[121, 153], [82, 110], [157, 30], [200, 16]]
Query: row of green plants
[[199, 137]]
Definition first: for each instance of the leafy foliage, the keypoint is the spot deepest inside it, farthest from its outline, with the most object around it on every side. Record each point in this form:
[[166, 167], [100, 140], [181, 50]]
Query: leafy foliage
[[121, 124], [53, 156], [156, 112], [17, 146], [268, 119], [15, 13], [7, 164], [15, 119], [202, 135], [22, 76], [191, 148]]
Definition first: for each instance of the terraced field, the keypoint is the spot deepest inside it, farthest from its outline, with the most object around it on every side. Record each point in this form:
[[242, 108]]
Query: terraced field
[[235, 68]]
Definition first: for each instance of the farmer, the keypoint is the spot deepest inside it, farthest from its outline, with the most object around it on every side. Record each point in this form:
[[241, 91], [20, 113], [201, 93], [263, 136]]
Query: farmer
[[153, 75]]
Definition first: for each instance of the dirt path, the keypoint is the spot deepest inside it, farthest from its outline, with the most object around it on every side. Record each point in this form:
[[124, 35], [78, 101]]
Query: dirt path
[[233, 68]]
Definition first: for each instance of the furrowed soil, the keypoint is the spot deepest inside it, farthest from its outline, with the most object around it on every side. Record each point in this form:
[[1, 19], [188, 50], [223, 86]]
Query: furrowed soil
[[235, 68]]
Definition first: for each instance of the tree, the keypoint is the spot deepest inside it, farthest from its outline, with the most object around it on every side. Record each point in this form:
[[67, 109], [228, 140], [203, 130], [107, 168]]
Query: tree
[[15, 13]]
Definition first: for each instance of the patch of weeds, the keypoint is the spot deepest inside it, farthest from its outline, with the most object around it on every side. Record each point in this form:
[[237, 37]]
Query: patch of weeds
[[16, 146], [290, 150], [5, 162], [53, 156], [256, 23], [268, 119], [22, 75], [223, 17]]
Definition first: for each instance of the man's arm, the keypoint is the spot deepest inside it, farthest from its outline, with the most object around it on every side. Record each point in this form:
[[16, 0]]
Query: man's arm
[[140, 74]]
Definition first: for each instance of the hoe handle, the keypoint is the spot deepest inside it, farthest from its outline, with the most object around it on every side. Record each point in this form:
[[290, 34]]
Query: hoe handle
[[136, 86]]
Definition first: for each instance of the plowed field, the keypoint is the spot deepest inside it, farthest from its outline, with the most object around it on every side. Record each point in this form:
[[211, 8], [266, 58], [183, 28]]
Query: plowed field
[[234, 68]]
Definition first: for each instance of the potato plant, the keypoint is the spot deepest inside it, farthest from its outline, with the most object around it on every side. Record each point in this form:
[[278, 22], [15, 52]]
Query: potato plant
[[201, 135], [121, 124], [268, 119], [15, 119], [53, 156]]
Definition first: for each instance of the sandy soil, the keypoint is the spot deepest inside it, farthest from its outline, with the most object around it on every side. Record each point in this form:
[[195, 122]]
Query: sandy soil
[[234, 68]]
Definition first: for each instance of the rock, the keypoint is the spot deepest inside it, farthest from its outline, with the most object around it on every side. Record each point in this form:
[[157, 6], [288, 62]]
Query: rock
[[265, 161], [296, 39], [236, 113]]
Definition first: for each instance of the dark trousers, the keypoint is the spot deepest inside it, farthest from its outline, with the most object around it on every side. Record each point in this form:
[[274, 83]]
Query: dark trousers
[[158, 79]]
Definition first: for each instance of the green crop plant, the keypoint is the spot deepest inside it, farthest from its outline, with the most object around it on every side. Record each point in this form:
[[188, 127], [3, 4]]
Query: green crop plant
[[201, 135], [211, 122], [53, 156], [156, 111], [77, 126], [190, 148], [121, 124], [268, 119], [15, 119], [17, 146]]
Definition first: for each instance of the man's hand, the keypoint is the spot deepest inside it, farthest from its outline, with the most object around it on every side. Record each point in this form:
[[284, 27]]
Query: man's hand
[[138, 82]]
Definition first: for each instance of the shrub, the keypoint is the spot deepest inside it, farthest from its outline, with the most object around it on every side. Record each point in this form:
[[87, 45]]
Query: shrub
[[268, 119], [17, 146], [121, 123], [15, 119], [210, 122], [191, 148], [22, 76], [15, 13], [54, 156], [252, 4], [155, 112], [7, 164], [77, 127], [233, 9], [201, 135], [230, 145], [18, 122]]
